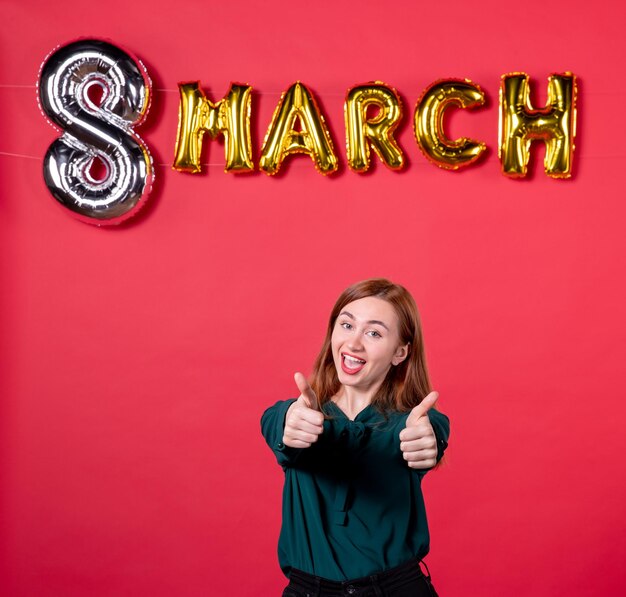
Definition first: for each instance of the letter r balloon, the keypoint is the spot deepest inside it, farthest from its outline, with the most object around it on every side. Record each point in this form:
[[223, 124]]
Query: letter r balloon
[[94, 130], [377, 130]]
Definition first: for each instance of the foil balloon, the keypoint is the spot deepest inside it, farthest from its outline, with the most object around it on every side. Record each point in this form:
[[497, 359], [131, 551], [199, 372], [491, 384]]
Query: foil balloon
[[521, 124], [95, 130], [429, 128], [297, 127], [363, 131], [229, 117]]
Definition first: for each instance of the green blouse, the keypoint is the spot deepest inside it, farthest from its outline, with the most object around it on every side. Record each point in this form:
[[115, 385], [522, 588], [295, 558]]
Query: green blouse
[[351, 504]]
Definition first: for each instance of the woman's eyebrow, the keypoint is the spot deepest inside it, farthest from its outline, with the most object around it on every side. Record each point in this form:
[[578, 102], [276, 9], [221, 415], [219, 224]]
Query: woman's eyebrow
[[376, 322], [371, 321]]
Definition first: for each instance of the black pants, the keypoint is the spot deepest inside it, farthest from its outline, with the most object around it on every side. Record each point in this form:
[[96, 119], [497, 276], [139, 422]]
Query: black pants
[[406, 580]]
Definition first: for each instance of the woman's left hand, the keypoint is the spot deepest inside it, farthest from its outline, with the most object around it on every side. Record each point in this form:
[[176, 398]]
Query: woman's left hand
[[417, 440]]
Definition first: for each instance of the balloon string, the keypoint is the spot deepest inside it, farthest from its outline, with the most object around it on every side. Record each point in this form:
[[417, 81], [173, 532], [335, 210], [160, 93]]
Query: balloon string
[[314, 89], [166, 90], [272, 93], [221, 164], [21, 155], [40, 159]]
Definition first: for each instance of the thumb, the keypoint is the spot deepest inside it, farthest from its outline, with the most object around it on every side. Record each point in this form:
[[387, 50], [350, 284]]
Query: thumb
[[422, 408], [306, 391]]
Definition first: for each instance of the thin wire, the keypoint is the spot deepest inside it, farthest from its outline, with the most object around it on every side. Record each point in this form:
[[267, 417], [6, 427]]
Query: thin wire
[[166, 90], [317, 91], [221, 164], [20, 155], [40, 159]]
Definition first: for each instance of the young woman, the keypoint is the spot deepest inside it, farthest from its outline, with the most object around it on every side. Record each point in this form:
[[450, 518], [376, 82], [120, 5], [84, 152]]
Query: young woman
[[354, 447]]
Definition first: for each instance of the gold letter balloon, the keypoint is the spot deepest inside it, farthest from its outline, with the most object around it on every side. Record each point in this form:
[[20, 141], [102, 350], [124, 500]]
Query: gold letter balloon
[[229, 117], [428, 123], [376, 130], [521, 124], [297, 108]]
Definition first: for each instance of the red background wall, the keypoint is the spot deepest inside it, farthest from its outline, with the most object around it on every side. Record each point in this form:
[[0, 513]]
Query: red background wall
[[136, 361]]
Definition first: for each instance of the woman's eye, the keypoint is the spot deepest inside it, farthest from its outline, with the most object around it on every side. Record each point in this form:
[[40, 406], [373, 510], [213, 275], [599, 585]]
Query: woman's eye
[[374, 333], [346, 326]]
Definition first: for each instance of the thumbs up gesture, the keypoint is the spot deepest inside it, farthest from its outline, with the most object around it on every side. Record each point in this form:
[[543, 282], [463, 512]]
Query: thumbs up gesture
[[304, 421], [417, 440]]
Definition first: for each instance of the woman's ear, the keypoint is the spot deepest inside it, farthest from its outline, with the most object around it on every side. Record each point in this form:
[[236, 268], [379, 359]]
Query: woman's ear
[[401, 353]]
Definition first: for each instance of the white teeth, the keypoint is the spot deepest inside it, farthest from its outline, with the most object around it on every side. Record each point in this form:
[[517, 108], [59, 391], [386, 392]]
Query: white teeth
[[353, 359]]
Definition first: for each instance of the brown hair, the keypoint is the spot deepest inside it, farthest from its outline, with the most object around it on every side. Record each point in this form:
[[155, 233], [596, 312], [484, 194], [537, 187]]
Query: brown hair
[[406, 384]]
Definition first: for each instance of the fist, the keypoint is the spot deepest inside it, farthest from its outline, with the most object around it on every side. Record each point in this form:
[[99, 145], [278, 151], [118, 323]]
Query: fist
[[304, 421], [417, 440]]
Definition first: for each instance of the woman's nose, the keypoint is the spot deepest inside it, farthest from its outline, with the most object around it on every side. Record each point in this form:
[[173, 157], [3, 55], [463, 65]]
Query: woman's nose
[[356, 343]]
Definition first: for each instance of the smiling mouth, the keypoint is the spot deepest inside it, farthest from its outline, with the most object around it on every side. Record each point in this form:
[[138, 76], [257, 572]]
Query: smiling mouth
[[350, 364]]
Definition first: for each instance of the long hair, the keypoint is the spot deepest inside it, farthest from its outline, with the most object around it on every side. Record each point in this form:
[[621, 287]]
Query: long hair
[[406, 384]]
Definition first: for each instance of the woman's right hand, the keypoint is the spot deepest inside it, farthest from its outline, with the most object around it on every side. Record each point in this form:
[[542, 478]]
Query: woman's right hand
[[304, 421]]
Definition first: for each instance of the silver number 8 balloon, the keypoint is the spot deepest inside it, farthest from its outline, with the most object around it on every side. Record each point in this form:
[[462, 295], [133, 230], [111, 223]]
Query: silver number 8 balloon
[[92, 130]]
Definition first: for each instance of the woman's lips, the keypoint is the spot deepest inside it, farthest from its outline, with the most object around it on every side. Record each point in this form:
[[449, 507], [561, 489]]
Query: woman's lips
[[351, 364]]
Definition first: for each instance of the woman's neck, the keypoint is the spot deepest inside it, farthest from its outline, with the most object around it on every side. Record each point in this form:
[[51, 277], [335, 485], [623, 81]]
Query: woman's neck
[[352, 400]]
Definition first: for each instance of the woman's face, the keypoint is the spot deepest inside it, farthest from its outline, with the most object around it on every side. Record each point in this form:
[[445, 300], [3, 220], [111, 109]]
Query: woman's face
[[366, 343]]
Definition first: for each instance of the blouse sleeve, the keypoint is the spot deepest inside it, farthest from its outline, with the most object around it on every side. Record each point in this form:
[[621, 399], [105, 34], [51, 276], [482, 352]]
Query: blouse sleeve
[[273, 427], [441, 427]]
